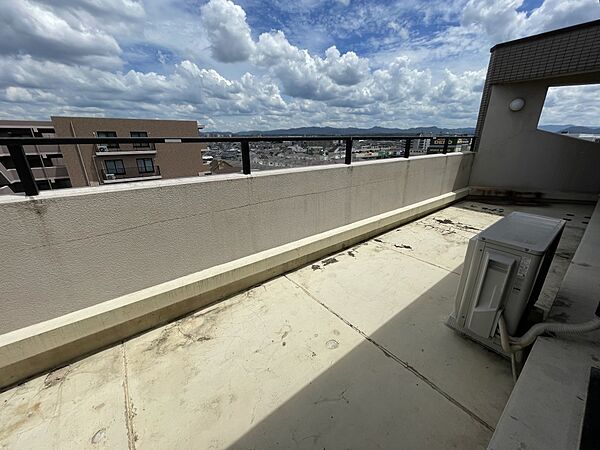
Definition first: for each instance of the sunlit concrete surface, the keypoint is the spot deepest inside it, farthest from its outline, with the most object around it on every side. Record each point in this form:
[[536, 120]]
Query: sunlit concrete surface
[[348, 352]]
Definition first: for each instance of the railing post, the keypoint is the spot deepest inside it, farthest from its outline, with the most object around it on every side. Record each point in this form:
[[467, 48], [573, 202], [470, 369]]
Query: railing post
[[17, 153], [245, 157], [407, 147], [348, 159], [445, 150], [473, 143]]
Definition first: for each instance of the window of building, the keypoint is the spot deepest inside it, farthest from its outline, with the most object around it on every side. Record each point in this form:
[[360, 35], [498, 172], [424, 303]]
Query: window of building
[[102, 134], [115, 166], [140, 134], [573, 111], [145, 165]]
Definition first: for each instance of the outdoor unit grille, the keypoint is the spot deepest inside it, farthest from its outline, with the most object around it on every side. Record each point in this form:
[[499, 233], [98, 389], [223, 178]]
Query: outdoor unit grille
[[504, 271]]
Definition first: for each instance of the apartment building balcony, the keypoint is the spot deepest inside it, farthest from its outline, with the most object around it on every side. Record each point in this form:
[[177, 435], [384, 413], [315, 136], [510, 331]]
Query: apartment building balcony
[[39, 173], [125, 149], [46, 173], [31, 150], [130, 173]]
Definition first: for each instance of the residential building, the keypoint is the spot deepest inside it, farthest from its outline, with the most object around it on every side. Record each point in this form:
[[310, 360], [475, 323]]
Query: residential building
[[455, 144], [219, 166], [47, 163], [61, 166]]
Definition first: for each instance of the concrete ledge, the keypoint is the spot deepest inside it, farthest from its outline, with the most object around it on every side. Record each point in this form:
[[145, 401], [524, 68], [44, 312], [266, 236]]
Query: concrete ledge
[[523, 196], [31, 350]]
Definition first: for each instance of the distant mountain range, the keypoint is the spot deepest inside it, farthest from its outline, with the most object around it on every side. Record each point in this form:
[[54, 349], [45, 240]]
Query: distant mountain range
[[350, 131], [570, 129]]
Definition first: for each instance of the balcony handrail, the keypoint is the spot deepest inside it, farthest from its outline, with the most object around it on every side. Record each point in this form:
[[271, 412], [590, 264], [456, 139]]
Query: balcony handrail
[[15, 146], [137, 146], [131, 172]]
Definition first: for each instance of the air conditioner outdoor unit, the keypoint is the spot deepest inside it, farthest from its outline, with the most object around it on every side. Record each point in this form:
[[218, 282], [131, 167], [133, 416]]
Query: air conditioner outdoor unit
[[102, 148], [504, 270], [111, 176]]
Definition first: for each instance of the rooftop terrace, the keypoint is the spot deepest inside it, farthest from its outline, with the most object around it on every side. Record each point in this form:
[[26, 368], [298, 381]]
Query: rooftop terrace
[[350, 351], [305, 308]]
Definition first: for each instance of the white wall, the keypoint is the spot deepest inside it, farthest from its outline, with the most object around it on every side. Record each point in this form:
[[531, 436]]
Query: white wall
[[68, 249], [513, 154]]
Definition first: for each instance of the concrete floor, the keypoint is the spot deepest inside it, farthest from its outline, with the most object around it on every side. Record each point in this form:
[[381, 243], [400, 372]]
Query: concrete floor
[[348, 352]]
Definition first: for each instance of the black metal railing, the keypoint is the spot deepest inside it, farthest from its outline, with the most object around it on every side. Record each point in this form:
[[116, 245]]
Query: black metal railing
[[15, 146]]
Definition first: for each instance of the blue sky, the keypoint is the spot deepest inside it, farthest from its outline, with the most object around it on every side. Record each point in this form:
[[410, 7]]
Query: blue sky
[[260, 64]]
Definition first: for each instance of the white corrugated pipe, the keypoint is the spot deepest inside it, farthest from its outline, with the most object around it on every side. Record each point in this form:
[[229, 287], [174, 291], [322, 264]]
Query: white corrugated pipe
[[513, 345], [505, 341], [557, 328]]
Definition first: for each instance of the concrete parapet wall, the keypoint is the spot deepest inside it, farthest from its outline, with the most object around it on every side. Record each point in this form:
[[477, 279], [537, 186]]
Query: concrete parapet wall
[[71, 249], [45, 345]]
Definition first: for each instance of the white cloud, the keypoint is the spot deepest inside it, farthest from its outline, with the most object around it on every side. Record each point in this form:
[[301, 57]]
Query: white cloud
[[347, 69], [401, 30], [69, 57], [563, 106], [38, 30], [228, 31], [274, 48], [484, 23], [498, 20]]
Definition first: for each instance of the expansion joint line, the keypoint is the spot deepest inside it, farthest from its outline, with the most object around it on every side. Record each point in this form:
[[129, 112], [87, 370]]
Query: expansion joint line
[[129, 411], [403, 363]]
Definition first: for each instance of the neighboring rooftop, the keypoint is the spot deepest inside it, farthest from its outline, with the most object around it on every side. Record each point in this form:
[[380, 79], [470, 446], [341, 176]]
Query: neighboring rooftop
[[349, 351]]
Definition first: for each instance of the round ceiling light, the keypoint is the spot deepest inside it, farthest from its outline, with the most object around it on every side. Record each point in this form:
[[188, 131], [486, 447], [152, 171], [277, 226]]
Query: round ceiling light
[[517, 104]]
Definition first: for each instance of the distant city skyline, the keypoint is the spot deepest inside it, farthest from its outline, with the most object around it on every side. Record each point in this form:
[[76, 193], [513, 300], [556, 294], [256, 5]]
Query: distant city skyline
[[263, 64]]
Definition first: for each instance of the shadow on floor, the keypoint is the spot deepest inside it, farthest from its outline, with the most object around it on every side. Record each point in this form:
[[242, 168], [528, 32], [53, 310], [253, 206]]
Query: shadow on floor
[[387, 393]]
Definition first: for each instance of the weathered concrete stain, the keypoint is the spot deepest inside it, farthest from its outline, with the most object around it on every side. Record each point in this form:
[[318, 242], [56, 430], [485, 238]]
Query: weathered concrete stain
[[332, 344], [56, 377], [99, 436], [192, 329], [462, 226]]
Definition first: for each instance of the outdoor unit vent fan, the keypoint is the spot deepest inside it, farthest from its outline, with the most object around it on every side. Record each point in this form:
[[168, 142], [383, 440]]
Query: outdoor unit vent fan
[[505, 268]]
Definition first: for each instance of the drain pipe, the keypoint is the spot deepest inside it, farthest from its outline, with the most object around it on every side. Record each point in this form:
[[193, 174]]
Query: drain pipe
[[514, 345], [78, 148], [505, 341], [557, 328]]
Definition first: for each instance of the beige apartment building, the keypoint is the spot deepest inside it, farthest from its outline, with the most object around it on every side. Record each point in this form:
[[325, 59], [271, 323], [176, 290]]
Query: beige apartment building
[[46, 162], [61, 166]]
